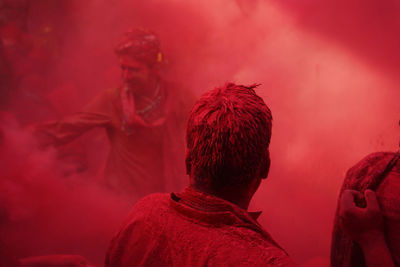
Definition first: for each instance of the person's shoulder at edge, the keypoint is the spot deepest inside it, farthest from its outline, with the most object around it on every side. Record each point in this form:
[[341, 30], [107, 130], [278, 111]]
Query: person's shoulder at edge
[[361, 168], [373, 157]]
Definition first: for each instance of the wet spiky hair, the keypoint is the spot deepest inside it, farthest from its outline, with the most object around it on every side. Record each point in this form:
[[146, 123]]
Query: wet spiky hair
[[228, 134]]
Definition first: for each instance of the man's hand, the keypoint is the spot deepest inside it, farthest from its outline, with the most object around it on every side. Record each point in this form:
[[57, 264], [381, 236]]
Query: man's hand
[[365, 226], [361, 224]]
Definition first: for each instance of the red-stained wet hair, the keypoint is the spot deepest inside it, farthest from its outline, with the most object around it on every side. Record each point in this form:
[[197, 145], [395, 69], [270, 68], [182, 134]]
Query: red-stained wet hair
[[228, 134]]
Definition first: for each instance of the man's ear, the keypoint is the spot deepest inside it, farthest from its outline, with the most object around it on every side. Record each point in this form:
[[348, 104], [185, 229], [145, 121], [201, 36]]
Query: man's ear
[[264, 170]]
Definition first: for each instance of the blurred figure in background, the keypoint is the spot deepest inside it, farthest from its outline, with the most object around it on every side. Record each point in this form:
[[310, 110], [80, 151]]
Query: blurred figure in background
[[31, 69], [144, 118], [367, 226], [14, 43], [25, 61], [5, 78], [15, 12]]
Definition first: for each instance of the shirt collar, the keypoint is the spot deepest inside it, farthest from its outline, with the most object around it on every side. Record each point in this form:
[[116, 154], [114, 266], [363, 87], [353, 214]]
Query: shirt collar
[[204, 202], [203, 208]]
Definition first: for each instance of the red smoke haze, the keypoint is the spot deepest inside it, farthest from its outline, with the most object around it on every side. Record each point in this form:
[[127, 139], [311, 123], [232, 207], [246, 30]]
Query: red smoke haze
[[329, 73]]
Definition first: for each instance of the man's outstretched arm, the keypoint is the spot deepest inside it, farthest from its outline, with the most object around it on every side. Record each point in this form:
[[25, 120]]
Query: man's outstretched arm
[[96, 114]]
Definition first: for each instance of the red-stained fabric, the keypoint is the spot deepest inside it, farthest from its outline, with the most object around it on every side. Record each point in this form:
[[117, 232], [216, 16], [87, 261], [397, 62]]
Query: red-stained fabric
[[57, 260], [142, 44], [192, 229], [144, 158], [345, 252]]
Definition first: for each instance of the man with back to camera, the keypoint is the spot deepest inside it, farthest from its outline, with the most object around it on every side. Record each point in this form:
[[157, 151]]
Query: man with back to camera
[[143, 117], [207, 224]]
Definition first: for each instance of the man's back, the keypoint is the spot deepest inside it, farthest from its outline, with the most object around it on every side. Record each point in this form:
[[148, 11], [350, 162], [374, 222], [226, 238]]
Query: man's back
[[192, 229]]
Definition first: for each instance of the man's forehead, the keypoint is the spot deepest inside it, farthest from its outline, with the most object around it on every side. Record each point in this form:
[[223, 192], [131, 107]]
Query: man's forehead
[[130, 61]]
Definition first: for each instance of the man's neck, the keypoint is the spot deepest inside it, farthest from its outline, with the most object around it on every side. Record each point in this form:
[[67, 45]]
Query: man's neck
[[228, 195]]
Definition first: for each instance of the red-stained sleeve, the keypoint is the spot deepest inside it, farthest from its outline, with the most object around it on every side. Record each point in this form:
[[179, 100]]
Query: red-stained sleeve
[[98, 113]]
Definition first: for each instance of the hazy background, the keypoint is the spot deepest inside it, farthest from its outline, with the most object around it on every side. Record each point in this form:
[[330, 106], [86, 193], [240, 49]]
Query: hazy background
[[328, 69]]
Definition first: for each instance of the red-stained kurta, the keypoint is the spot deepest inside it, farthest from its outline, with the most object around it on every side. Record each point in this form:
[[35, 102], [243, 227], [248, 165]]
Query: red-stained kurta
[[192, 229], [143, 158]]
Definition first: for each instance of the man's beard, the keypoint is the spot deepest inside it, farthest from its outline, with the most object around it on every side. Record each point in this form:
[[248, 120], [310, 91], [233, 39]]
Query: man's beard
[[135, 84]]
